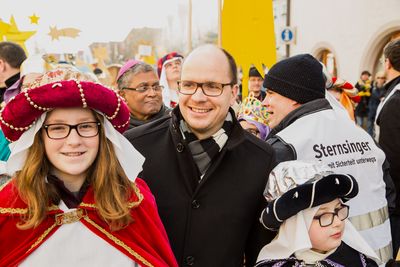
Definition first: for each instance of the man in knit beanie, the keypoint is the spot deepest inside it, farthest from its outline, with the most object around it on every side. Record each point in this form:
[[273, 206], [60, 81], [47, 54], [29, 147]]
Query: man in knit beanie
[[306, 127]]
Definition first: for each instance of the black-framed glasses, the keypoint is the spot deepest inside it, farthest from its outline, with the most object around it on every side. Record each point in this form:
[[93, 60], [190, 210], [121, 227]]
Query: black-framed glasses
[[208, 88], [326, 219], [61, 130], [145, 88]]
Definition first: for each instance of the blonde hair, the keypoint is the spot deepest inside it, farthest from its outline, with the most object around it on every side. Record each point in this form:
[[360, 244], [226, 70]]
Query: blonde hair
[[380, 74], [112, 188]]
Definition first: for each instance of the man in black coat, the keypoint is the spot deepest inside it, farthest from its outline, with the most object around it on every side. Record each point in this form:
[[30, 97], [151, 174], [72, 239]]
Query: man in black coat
[[388, 120], [206, 172]]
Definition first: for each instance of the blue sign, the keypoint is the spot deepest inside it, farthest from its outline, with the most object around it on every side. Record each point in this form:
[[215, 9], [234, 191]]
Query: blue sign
[[287, 35]]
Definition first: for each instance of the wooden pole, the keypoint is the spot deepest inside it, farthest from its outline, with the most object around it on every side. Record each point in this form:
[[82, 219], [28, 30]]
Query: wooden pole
[[219, 22], [189, 36]]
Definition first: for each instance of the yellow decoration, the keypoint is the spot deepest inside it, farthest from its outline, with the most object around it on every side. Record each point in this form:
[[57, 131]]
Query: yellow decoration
[[247, 32], [101, 53], [34, 19], [10, 32], [65, 32], [149, 59]]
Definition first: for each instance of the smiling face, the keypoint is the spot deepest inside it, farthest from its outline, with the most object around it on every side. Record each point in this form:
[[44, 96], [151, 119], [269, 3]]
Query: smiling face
[[72, 156], [204, 114], [278, 106], [326, 238], [143, 105]]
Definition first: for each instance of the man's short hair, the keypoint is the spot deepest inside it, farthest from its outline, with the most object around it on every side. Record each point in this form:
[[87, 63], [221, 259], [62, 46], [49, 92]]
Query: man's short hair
[[140, 67], [365, 72], [12, 53], [392, 53], [232, 66]]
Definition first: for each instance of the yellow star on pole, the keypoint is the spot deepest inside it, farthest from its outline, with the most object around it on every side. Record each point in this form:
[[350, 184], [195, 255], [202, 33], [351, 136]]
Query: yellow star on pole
[[11, 33], [34, 19]]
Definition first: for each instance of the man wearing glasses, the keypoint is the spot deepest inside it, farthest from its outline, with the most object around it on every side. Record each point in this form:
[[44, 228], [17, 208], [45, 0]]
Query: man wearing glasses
[[206, 172], [139, 85]]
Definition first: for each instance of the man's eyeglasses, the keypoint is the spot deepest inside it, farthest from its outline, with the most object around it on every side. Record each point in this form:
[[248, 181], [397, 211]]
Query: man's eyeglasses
[[145, 88], [326, 219], [60, 130], [208, 88]]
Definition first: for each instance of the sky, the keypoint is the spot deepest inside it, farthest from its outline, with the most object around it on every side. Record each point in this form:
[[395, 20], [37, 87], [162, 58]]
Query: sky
[[102, 21]]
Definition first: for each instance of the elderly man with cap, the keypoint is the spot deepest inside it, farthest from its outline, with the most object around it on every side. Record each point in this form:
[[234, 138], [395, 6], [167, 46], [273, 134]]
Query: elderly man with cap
[[306, 127], [139, 85], [169, 71], [255, 83], [209, 181]]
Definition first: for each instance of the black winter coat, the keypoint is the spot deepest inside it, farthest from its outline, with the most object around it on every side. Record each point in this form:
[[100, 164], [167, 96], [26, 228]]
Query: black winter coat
[[389, 136], [213, 221]]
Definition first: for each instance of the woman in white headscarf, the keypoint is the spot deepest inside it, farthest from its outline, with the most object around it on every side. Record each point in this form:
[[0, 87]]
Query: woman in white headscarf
[[306, 203]]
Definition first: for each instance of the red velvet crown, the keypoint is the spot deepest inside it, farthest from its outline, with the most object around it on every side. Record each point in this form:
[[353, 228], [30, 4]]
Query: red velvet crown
[[22, 111]]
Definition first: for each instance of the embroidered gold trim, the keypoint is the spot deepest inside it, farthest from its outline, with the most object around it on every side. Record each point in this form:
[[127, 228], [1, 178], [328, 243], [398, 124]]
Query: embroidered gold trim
[[119, 243], [13, 210], [70, 217], [130, 204], [23, 211], [43, 236]]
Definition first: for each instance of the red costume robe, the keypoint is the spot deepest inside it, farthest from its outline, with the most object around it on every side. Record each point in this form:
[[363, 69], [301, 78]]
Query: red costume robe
[[144, 240]]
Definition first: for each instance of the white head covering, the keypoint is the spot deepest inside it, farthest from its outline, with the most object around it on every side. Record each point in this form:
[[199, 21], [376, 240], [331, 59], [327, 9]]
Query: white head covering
[[168, 93], [129, 158], [293, 233]]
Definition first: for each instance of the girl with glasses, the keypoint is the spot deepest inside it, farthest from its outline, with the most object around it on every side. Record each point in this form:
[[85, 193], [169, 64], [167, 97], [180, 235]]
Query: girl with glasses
[[306, 206], [74, 199]]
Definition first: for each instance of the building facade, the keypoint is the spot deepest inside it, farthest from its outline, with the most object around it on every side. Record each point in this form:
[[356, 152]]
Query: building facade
[[347, 35]]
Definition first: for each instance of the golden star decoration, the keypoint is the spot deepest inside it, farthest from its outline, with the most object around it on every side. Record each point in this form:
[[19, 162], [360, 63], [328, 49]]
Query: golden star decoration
[[64, 32], [34, 19], [10, 32], [54, 33]]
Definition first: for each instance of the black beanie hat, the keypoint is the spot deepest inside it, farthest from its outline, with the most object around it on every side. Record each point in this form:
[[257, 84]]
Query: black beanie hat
[[299, 78], [253, 72]]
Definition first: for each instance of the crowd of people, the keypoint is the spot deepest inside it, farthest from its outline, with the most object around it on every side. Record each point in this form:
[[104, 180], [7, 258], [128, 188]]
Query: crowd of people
[[166, 166]]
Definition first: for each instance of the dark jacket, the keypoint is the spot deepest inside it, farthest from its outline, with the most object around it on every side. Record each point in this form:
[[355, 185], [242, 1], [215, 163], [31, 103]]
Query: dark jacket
[[285, 152], [215, 221], [164, 111], [343, 256], [376, 96], [361, 109], [389, 136]]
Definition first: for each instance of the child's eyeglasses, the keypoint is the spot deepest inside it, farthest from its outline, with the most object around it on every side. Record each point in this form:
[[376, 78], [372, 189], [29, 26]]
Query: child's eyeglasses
[[326, 219]]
